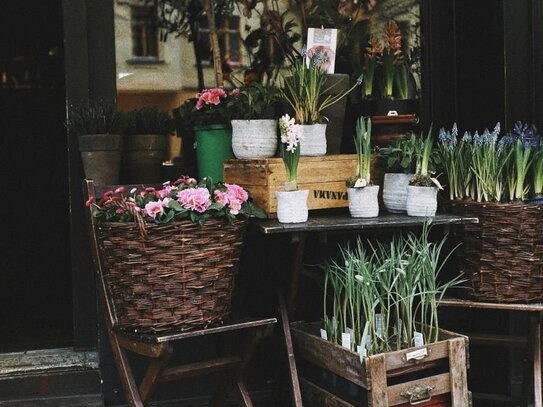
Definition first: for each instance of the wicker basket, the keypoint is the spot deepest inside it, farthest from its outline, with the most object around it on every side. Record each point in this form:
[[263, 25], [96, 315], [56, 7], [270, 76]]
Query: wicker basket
[[180, 277], [503, 254]]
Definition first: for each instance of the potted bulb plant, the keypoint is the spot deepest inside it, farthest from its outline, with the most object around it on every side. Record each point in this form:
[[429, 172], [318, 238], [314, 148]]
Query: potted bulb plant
[[291, 202], [146, 144], [422, 189], [307, 95], [206, 119], [399, 160], [362, 196], [98, 127], [254, 128]]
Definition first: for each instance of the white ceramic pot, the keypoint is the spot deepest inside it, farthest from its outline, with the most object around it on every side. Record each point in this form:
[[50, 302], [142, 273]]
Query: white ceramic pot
[[292, 206], [421, 201], [254, 138], [314, 141], [363, 202], [395, 192]]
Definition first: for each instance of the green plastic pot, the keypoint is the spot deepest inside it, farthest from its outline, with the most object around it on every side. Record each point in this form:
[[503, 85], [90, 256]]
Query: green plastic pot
[[213, 146]]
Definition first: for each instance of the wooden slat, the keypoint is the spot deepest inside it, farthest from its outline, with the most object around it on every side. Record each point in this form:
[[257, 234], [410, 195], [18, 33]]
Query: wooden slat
[[458, 373], [460, 303], [498, 340], [436, 351], [152, 350], [328, 355], [316, 396], [244, 394], [440, 385], [377, 377], [198, 368]]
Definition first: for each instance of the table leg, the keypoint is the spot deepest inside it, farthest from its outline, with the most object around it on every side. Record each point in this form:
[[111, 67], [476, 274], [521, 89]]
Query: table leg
[[297, 248], [293, 371], [538, 397]]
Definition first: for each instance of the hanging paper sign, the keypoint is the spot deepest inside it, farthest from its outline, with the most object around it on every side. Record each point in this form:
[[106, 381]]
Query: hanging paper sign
[[321, 47]]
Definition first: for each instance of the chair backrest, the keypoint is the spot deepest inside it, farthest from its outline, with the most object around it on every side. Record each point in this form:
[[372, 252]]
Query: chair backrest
[[96, 192]]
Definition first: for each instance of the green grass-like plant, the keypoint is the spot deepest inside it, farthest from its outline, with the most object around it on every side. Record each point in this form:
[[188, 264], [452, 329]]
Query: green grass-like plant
[[362, 143], [147, 120], [94, 117]]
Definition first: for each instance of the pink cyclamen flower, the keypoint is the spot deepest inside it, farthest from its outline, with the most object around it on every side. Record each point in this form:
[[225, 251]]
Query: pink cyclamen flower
[[221, 197], [89, 201], [234, 92], [237, 193], [154, 209], [119, 190], [119, 211], [164, 192], [196, 199]]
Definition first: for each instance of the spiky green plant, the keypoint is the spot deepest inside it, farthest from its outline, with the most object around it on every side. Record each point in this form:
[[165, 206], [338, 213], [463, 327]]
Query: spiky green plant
[[362, 143]]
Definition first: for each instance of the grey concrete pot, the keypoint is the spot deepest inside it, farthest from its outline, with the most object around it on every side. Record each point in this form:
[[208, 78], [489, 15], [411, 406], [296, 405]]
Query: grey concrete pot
[[314, 141], [421, 201], [101, 156], [395, 192], [363, 202], [254, 138], [292, 206]]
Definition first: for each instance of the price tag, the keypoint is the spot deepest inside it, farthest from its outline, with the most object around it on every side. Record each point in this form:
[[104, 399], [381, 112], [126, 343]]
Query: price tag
[[418, 339], [324, 334], [346, 340]]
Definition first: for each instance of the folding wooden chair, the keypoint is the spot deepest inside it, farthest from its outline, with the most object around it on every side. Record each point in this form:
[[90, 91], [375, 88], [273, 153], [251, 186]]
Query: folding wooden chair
[[158, 347]]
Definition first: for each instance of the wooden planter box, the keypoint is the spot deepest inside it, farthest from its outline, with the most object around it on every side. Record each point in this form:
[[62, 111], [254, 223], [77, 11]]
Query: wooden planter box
[[387, 377], [324, 176]]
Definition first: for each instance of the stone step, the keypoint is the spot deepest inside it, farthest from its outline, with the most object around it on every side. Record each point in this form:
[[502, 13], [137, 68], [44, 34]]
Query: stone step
[[43, 375]]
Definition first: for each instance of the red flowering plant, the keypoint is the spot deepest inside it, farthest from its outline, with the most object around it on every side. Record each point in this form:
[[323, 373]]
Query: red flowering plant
[[210, 106], [184, 198]]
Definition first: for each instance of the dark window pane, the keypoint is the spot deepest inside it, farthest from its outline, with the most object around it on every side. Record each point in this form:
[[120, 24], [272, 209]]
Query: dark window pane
[[144, 32]]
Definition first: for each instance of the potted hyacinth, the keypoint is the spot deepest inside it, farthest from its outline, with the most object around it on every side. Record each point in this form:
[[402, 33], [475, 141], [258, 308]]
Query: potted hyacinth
[[254, 127], [362, 196], [307, 94], [422, 189], [205, 121], [291, 202], [494, 177]]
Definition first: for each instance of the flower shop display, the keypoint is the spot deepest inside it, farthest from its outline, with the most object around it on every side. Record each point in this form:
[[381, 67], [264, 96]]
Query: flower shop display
[[146, 144], [307, 94], [254, 127], [98, 127], [380, 320], [363, 200], [423, 188], [208, 117], [489, 175], [171, 253], [291, 202]]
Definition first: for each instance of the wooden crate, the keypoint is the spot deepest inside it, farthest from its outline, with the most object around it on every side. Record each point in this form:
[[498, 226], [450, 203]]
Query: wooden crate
[[324, 176], [444, 369]]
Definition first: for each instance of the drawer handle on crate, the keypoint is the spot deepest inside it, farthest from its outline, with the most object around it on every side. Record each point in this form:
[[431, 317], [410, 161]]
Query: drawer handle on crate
[[418, 394], [416, 355]]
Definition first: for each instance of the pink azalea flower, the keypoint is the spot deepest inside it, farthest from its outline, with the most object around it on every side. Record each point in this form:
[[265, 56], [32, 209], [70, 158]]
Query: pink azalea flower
[[154, 209], [235, 92], [237, 193], [235, 206], [196, 199], [210, 97], [221, 197]]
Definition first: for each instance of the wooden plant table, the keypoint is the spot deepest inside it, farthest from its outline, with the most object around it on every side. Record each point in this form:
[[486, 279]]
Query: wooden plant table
[[322, 224]]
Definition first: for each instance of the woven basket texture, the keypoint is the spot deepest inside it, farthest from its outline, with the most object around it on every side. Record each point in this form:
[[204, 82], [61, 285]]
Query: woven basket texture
[[503, 254], [181, 277]]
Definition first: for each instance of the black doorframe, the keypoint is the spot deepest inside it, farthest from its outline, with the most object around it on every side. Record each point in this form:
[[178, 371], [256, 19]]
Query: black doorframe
[[89, 44]]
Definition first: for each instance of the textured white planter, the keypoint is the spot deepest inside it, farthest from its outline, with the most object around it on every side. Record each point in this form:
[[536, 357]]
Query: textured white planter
[[395, 192], [292, 206], [254, 138], [421, 201], [314, 142], [363, 202]]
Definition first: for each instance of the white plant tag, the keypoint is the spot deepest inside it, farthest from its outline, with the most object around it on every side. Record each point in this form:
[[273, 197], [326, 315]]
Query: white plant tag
[[418, 339], [379, 325], [324, 334], [350, 332], [346, 340], [416, 354]]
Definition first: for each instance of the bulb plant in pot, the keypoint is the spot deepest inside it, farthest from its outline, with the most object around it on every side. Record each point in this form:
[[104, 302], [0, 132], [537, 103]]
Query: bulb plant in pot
[[422, 189], [146, 144], [98, 127], [208, 116], [291, 203], [254, 127], [305, 92], [362, 196]]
